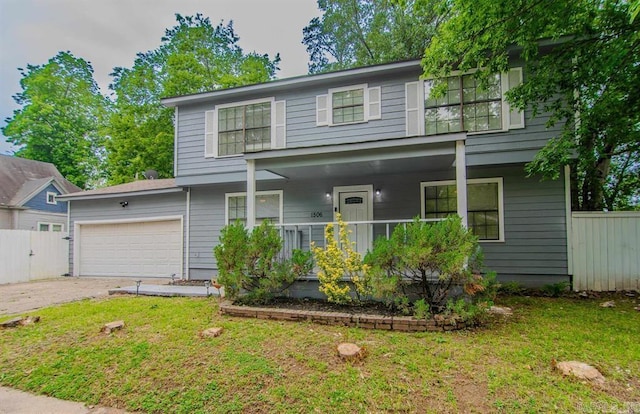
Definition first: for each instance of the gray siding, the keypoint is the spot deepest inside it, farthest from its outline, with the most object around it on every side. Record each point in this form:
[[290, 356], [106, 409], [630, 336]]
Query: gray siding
[[514, 146], [6, 218], [29, 219], [534, 249], [147, 206]]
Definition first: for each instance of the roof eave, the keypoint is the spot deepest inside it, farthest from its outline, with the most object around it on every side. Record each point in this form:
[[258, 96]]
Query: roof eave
[[288, 82], [79, 196]]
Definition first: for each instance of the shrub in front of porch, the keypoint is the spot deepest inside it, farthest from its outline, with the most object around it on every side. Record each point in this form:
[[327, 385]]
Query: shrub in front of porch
[[342, 274], [250, 263], [433, 265]]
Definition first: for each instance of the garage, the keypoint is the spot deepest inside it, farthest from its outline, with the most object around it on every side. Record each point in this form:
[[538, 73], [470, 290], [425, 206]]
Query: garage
[[151, 248]]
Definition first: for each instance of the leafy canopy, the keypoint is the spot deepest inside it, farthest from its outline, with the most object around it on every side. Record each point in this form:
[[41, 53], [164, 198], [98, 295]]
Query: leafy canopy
[[354, 33], [61, 117], [194, 56], [587, 82]]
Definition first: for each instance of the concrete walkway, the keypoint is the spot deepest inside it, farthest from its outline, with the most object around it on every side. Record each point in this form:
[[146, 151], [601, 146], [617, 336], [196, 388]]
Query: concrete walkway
[[20, 402], [147, 289]]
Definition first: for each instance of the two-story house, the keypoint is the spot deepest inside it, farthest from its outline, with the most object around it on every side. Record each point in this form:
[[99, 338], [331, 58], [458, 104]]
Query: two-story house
[[370, 143], [29, 192]]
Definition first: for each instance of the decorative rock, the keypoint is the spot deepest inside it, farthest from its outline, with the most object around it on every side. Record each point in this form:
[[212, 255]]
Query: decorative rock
[[500, 310], [581, 371], [211, 333], [30, 320], [583, 294], [637, 308], [112, 326], [350, 352], [608, 304]]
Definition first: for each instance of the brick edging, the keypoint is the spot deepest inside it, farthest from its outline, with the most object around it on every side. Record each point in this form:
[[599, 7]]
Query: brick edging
[[438, 323]]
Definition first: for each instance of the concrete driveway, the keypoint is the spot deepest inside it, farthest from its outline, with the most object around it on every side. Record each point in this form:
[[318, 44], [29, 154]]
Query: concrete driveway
[[17, 298]]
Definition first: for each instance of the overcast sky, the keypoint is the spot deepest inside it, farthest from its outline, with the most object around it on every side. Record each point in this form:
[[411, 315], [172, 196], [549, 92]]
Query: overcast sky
[[109, 33]]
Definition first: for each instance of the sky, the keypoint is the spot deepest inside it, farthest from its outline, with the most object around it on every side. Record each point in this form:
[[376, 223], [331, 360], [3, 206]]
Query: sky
[[109, 33]]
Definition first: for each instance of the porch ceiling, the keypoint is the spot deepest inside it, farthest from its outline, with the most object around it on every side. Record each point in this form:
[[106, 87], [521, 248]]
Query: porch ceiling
[[375, 161]]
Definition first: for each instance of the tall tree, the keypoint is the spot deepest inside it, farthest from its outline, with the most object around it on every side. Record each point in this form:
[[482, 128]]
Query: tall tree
[[194, 56], [61, 117], [588, 82], [354, 33]]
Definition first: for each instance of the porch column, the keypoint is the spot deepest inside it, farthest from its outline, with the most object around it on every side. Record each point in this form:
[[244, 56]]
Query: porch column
[[461, 180], [251, 194]]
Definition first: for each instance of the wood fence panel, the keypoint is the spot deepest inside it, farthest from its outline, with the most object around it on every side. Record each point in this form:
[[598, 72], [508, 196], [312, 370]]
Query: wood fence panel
[[606, 250]]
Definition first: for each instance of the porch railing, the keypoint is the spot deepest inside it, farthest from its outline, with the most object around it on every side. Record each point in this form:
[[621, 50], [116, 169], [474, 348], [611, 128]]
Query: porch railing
[[363, 233]]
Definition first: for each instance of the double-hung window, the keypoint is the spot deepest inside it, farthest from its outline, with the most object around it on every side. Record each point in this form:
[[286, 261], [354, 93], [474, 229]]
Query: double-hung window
[[464, 105], [348, 105], [51, 197], [251, 126], [268, 207], [484, 205]]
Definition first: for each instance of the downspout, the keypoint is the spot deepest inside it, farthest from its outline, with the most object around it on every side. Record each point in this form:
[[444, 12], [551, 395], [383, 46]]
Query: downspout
[[188, 241]]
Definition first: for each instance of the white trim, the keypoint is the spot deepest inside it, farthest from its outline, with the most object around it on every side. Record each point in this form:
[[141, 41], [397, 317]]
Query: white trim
[[498, 180], [175, 143], [258, 193], [365, 103], [77, 233], [250, 202], [51, 193], [352, 188], [187, 253], [568, 218], [461, 182], [245, 103], [80, 196]]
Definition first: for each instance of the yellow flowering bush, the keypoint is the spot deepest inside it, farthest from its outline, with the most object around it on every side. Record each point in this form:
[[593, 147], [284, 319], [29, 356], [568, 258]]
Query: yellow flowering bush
[[340, 266]]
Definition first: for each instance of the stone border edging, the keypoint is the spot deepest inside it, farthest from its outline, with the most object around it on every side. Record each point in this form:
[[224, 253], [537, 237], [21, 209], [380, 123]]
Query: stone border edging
[[438, 323]]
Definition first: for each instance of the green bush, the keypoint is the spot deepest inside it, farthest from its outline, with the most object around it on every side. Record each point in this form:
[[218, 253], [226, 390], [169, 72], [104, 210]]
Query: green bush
[[250, 263], [435, 258]]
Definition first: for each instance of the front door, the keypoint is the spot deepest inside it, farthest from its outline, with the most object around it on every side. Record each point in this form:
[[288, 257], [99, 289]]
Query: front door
[[354, 204]]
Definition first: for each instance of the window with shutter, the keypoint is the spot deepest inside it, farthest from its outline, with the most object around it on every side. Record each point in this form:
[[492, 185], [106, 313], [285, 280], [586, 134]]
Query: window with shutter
[[348, 105]]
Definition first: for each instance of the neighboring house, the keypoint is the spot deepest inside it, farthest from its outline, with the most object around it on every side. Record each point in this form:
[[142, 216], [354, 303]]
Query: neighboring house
[[369, 143], [29, 192]]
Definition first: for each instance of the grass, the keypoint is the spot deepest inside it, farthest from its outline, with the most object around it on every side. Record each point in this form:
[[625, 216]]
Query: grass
[[159, 364]]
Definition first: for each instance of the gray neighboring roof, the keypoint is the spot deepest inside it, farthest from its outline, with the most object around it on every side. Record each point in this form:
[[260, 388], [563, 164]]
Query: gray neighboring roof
[[134, 188], [21, 179]]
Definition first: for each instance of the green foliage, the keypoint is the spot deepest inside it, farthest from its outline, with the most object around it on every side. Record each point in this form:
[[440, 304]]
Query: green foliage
[[431, 256], [61, 118], [421, 309], [587, 66], [194, 56], [555, 289], [353, 33], [341, 267], [511, 288], [250, 263]]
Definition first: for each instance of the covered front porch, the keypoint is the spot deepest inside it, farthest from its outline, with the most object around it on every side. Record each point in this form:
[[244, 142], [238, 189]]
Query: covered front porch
[[374, 186]]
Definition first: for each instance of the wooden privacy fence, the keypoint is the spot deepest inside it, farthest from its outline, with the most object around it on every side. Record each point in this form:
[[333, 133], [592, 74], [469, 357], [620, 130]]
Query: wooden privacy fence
[[606, 255], [29, 255]]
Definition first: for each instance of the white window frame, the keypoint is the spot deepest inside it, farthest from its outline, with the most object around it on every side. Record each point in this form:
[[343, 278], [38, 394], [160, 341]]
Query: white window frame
[[367, 92], [50, 226], [506, 108], [491, 180], [279, 193], [274, 125], [53, 195]]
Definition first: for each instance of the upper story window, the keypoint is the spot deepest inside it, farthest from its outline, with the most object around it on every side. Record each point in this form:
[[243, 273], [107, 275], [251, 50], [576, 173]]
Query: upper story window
[[348, 105], [51, 197], [245, 128], [250, 126], [465, 105]]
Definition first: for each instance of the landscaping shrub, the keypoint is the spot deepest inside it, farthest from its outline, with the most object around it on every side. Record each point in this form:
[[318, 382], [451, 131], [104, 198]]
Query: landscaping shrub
[[434, 262], [342, 271], [250, 263]]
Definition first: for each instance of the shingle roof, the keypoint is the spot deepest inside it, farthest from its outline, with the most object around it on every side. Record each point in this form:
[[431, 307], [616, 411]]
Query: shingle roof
[[135, 186], [20, 177]]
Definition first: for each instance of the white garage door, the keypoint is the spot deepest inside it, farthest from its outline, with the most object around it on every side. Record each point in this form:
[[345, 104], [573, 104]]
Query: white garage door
[[140, 249]]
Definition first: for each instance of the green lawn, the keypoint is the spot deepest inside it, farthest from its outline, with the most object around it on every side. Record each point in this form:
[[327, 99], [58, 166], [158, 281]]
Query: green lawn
[[159, 364]]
